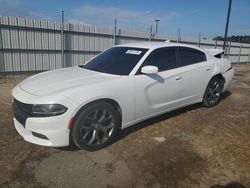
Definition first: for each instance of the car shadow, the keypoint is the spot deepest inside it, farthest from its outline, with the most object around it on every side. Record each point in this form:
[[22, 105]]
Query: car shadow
[[225, 94], [149, 122], [229, 185]]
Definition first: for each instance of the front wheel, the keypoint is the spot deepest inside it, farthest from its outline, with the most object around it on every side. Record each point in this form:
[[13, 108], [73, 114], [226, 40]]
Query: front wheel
[[213, 92], [96, 126]]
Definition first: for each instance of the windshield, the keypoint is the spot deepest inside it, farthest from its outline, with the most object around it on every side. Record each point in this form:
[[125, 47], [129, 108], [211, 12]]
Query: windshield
[[116, 60]]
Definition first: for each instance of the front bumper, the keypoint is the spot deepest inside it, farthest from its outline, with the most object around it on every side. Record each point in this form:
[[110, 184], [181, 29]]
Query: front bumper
[[46, 131], [54, 129]]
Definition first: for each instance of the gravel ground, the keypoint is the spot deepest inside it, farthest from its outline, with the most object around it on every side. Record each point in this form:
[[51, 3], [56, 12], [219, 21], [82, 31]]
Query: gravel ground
[[191, 147]]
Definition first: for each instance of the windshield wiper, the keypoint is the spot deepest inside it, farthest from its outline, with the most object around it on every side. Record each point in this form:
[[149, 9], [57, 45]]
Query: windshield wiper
[[82, 66], [92, 69]]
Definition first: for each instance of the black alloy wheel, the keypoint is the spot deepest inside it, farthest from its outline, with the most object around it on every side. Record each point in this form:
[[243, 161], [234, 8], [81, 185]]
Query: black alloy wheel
[[96, 126], [213, 92]]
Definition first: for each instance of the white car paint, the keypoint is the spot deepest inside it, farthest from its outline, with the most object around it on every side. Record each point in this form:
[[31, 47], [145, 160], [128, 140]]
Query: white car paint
[[139, 96], [214, 51]]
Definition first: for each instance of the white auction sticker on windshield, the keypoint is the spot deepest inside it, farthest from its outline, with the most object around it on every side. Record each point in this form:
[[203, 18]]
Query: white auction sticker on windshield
[[134, 52]]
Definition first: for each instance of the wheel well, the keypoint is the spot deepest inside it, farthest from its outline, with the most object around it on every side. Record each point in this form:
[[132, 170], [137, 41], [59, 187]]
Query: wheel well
[[110, 101], [72, 121], [215, 76], [219, 76]]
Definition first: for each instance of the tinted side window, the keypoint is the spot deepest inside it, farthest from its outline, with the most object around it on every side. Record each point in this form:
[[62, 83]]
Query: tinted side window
[[190, 56], [163, 58]]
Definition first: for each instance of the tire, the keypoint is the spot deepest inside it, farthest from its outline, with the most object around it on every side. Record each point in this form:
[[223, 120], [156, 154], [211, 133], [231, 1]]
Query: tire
[[213, 92], [96, 126]]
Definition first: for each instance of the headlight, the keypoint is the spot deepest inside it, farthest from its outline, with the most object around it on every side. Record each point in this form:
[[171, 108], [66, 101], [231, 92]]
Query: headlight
[[45, 110]]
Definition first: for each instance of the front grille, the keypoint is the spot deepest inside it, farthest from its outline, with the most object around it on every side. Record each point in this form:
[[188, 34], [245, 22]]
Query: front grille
[[21, 111]]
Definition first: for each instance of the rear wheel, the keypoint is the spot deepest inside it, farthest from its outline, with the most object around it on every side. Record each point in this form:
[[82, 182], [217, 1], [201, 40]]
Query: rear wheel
[[96, 126], [213, 92]]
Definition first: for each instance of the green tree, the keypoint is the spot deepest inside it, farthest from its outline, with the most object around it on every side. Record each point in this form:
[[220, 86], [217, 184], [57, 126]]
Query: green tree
[[233, 38]]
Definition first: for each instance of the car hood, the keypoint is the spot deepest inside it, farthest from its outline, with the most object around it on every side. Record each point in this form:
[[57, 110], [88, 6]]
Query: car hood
[[61, 79]]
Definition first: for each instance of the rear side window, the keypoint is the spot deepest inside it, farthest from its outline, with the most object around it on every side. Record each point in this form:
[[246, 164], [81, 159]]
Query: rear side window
[[163, 58], [189, 56]]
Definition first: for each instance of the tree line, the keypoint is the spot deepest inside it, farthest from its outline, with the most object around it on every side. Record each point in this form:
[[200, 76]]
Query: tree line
[[233, 38]]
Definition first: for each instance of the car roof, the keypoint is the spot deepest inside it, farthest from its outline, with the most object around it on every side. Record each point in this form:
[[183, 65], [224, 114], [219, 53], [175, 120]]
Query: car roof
[[155, 45]]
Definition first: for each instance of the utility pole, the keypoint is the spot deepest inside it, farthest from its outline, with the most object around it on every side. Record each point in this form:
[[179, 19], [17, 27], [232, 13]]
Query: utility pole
[[227, 23], [156, 26]]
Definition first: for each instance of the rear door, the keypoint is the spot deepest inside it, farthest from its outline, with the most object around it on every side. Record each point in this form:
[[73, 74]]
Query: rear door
[[196, 72]]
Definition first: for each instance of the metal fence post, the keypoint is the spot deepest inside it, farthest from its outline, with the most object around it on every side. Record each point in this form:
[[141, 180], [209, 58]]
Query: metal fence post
[[2, 65], [68, 45], [11, 47], [179, 36], [119, 37], [26, 37], [248, 59], [62, 39], [239, 53], [151, 33], [229, 48], [226, 49], [115, 32], [199, 39], [19, 47]]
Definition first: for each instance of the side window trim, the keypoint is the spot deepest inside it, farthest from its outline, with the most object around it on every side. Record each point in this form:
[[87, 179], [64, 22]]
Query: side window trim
[[171, 47], [178, 57]]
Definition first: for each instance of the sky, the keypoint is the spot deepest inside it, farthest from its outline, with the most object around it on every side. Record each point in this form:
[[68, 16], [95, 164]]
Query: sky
[[191, 16]]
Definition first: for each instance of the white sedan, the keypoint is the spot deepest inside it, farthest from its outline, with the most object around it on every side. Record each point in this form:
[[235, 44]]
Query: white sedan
[[126, 84]]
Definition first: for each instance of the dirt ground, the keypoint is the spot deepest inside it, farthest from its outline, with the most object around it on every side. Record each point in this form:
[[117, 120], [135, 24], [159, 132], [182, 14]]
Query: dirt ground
[[191, 147]]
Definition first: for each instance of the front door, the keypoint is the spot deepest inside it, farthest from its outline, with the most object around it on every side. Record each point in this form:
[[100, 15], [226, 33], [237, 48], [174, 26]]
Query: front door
[[158, 92]]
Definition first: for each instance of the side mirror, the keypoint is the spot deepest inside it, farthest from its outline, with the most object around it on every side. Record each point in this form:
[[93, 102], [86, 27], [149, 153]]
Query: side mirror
[[149, 69]]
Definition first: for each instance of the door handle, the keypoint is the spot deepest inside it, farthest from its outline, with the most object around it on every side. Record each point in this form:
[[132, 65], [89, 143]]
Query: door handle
[[178, 77], [208, 68]]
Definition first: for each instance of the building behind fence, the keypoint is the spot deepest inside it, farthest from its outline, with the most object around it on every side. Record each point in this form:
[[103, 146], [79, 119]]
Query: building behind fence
[[37, 45]]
